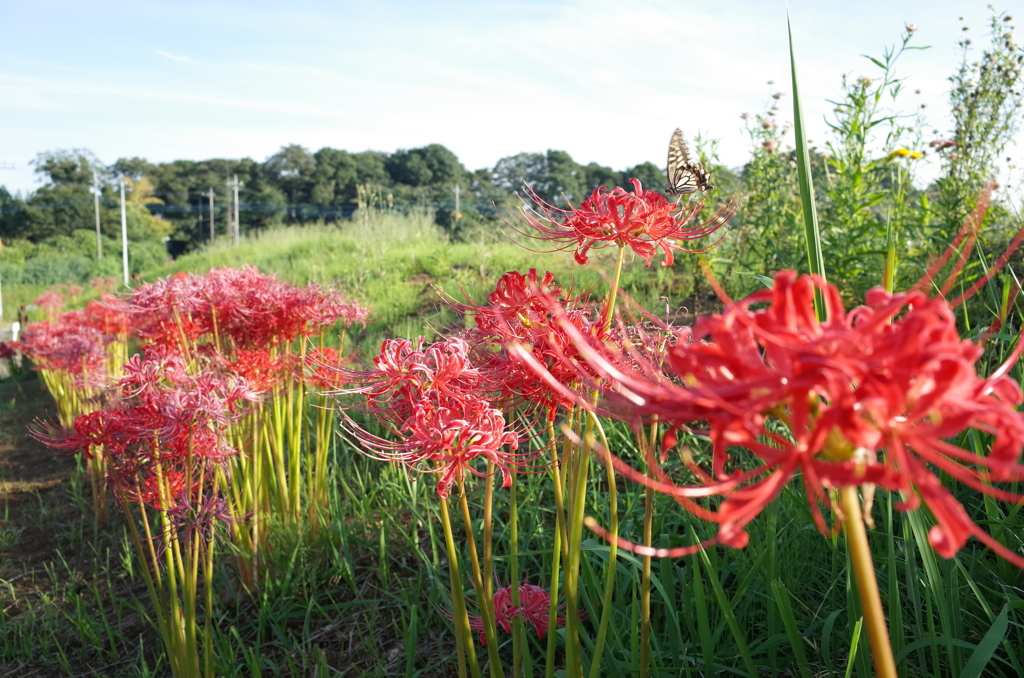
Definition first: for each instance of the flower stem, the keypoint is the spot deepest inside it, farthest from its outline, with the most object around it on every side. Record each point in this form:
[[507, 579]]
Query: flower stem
[[614, 292], [517, 624], [609, 582], [867, 585], [488, 579], [645, 587], [556, 552], [486, 604], [577, 505], [463, 635], [645, 572]]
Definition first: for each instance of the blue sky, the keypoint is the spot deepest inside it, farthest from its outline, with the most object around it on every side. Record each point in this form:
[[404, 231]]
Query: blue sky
[[605, 81]]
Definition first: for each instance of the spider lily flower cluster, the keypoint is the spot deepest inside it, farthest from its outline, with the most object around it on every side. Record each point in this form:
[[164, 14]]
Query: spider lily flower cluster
[[207, 429], [432, 401], [519, 314], [167, 457], [533, 607], [868, 397], [78, 354]]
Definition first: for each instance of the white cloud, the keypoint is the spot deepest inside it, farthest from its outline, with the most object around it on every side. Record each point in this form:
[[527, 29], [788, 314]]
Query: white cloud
[[175, 58]]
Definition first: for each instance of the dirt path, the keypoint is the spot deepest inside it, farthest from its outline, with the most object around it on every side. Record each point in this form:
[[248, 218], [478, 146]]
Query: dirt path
[[28, 469], [31, 494]]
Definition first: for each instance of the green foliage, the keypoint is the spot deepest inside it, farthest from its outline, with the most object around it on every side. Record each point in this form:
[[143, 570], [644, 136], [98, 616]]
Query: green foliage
[[985, 100], [767, 238], [427, 166], [867, 183], [864, 177]]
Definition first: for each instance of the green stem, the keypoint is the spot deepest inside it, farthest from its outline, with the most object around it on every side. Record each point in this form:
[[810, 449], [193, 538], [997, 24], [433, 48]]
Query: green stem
[[463, 634], [645, 587], [614, 292], [867, 585], [556, 552], [645, 572], [577, 505], [486, 604], [488, 590], [609, 581], [517, 624]]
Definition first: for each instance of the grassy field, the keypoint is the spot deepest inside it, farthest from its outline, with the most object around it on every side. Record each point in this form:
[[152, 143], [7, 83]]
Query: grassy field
[[367, 596]]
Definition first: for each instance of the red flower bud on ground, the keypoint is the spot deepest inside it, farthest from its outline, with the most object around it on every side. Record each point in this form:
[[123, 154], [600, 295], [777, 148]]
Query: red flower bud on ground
[[533, 608]]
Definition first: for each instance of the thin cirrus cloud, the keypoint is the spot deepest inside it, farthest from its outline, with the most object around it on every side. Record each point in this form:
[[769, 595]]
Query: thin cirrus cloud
[[175, 57], [602, 80]]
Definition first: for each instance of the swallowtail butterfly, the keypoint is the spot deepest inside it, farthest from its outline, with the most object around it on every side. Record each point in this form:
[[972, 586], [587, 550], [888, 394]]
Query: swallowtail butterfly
[[684, 175]]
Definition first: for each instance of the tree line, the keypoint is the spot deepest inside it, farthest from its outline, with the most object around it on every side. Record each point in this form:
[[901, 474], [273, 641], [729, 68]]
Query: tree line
[[172, 200]]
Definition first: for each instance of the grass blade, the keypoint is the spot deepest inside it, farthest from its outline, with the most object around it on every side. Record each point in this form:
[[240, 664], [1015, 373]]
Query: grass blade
[[781, 594], [815, 255], [730, 616], [987, 647]]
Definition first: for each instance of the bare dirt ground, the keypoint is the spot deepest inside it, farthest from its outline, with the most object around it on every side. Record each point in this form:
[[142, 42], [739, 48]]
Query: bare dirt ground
[[47, 567], [29, 473]]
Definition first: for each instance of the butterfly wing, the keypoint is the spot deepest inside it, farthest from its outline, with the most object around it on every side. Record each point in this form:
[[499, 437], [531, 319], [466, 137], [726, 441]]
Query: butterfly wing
[[684, 175]]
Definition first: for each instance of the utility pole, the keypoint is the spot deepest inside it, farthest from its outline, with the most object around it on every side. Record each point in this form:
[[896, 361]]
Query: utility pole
[[6, 166], [234, 185], [238, 225], [209, 194], [458, 214], [124, 235], [96, 204]]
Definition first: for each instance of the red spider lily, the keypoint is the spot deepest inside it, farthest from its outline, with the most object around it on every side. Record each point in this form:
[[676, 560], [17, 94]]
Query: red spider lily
[[197, 519], [257, 310], [444, 436], [166, 434], [520, 313], [242, 305], [429, 399], [263, 371], [109, 315], [869, 397], [325, 368], [67, 344], [171, 310], [534, 604], [642, 220], [50, 302], [407, 374]]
